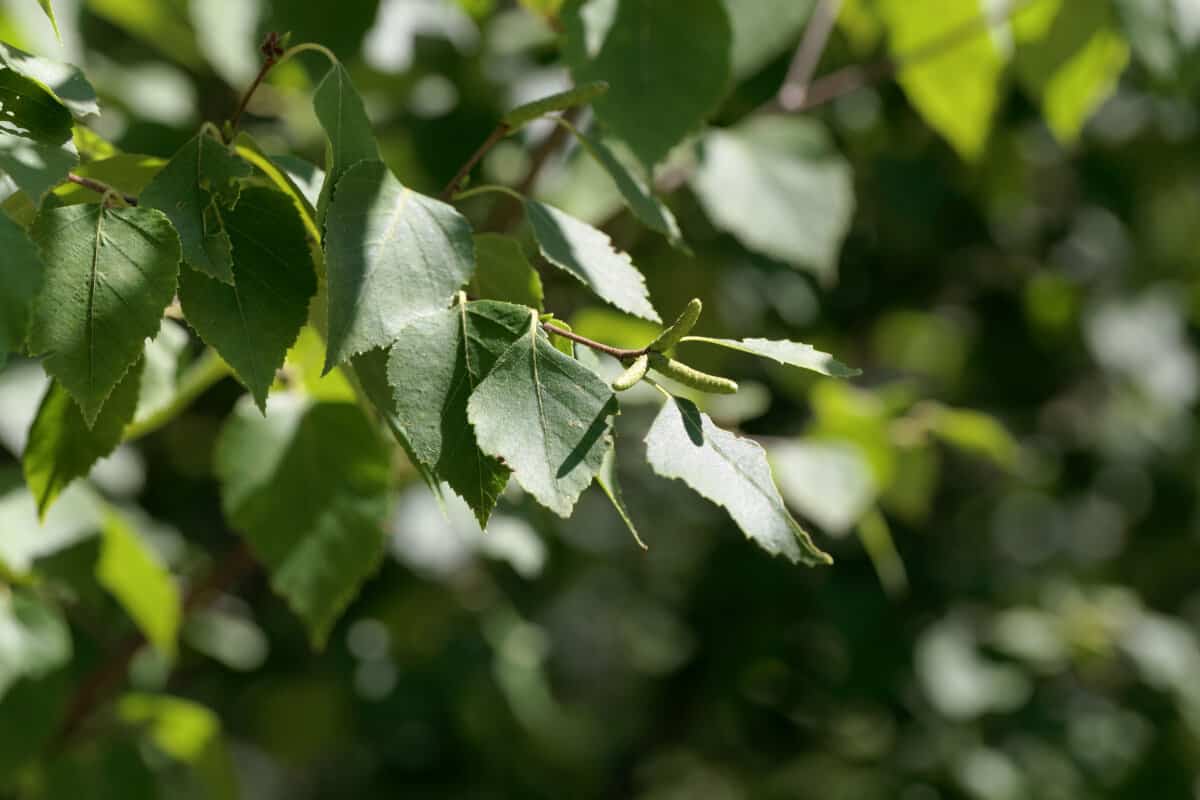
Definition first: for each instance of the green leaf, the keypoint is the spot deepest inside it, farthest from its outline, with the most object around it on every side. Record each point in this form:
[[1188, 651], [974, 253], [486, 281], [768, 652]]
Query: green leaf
[[187, 732], [294, 185], [253, 323], [546, 416], [607, 478], [35, 167], [63, 447], [684, 443], [392, 255], [30, 110], [859, 22], [34, 639], [129, 173], [503, 273], [308, 487], [764, 30], [195, 190], [63, 82], [434, 367], [588, 255], [21, 276], [667, 63], [561, 343], [957, 91], [1070, 57], [790, 354], [634, 188], [522, 115], [133, 574], [341, 113], [49, 10], [778, 185], [161, 370], [973, 432], [109, 275]]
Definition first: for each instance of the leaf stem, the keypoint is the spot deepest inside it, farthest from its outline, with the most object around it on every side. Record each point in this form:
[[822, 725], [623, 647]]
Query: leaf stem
[[100, 188], [208, 370], [500, 131], [490, 187], [808, 54], [616, 352]]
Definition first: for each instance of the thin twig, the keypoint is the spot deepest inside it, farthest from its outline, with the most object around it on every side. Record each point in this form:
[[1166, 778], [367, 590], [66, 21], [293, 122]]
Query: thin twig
[[808, 54], [102, 681], [272, 50], [100, 188], [496, 135], [621, 353]]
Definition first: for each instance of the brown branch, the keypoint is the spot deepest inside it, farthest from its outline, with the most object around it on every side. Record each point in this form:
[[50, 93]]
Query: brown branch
[[272, 50], [493, 139], [105, 679], [100, 187], [621, 353]]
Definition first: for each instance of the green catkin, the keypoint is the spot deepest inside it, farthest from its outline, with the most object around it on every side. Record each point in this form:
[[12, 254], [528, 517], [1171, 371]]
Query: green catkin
[[679, 329], [632, 375], [689, 376]]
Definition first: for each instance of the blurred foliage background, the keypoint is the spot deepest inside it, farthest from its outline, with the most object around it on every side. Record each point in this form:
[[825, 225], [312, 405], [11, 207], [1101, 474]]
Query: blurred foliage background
[[1010, 489]]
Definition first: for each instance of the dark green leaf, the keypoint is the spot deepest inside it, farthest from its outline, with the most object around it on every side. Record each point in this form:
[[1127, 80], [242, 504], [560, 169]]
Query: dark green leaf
[[20, 276], [109, 275], [392, 256], [341, 112], [684, 443], [35, 167], [254, 322], [546, 416], [503, 273], [63, 447], [65, 83]]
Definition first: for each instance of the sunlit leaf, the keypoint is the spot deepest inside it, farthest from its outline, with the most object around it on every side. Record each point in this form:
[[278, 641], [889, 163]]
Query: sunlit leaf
[[140, 582]]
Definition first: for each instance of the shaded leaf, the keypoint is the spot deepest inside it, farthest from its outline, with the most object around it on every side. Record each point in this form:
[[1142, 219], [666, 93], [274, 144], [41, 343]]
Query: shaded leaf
[[308, 487], [433, 369], [109, 275], [65, 83], [587, 255], [607, 478], [135, 576], [254, 322], [684, 443], [790, 354], [503, 273], [392, 255], [195, 190], [21, 276], [777, 184], [546, 416], [35, 167], [341, 113], [30, 110], [63, 447]]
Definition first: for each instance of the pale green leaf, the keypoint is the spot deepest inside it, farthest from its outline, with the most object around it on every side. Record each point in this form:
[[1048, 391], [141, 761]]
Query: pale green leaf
[[76, 516], [829, 482], [128, 173], [36, 167], [187, 732], [34, 638], [587, 254], [957, 91], [778, 185], [1070, 57], [20, 276], [307, 485], [764, 30], [341, 112], [63, 447], [433, 368], [684, 443], [391, 256], [547, 417], [667, 64], [502, 272], [634, 188], [607, 478], [135, 576], [109, 275], [522, 115], [789, 354], [254, 322], [195, 190], [973, 432]]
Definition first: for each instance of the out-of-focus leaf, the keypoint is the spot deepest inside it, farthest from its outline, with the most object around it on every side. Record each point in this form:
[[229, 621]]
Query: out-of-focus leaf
[[392, 256], [110, 272], [143, 586], [502, 272], [1070, 56], [186, 732], [828, 482], [160, 371], [63, 447], [36, 167], [790, 354], [34, 639], [253, 322], [777, 184], [859, 21], [227, 34], [973, 432], [162, 25], [587, 255], [957, 91], [307, 485], [684, 443], [48, 7], [667, 64], [77, 515], [764, 30]]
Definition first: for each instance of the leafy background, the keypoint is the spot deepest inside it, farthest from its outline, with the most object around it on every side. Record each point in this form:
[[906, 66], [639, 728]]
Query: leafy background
[[1009, 490]]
